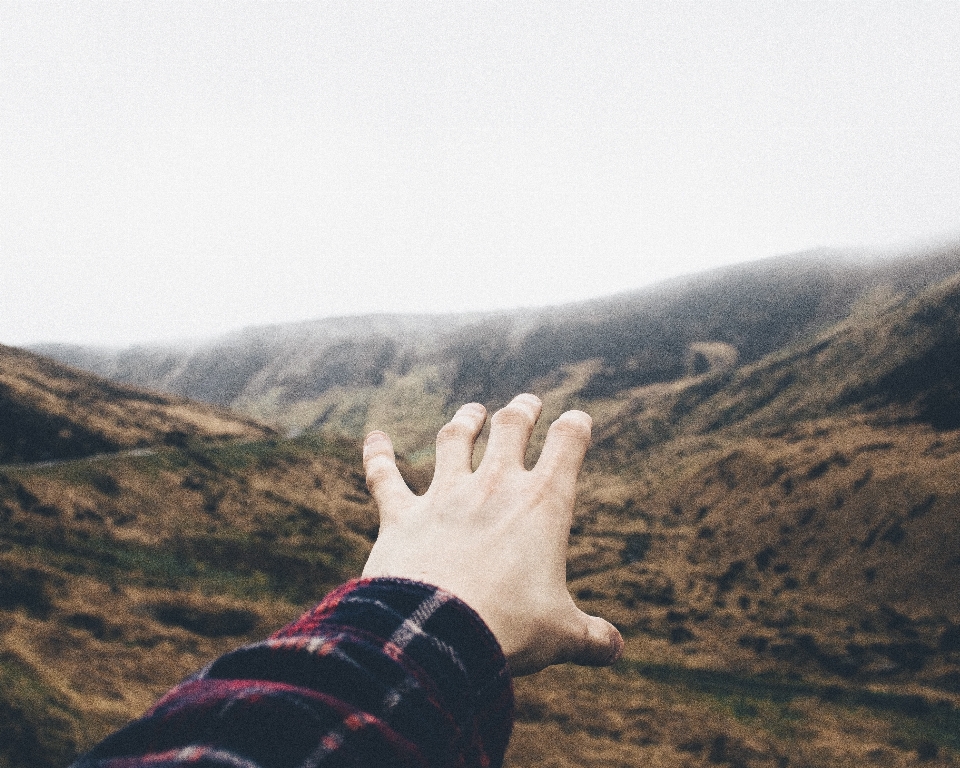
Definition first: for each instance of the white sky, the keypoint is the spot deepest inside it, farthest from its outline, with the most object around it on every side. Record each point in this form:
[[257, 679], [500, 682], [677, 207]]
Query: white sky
[[182, 169]]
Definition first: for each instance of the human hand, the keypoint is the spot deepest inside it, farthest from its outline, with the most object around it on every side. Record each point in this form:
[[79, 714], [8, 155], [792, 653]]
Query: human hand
[[497, 537]]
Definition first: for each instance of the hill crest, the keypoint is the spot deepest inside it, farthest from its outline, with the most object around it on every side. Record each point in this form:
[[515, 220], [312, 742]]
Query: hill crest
[[50, 411]]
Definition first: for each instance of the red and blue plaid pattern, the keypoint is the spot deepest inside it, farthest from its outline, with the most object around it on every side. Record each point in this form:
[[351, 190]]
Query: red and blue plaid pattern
[[383, 672]]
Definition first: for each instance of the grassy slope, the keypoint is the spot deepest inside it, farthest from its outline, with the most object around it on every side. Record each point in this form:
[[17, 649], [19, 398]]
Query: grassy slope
[[788, 599], [120, 576], [49, 411], [778, 544]]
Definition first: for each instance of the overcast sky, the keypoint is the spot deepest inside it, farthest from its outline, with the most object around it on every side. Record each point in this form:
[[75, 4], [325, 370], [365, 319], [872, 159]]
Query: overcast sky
[[183, 169]]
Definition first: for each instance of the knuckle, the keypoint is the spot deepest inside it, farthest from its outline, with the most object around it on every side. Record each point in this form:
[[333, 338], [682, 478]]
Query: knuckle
[[377, 472], [454, 430], [512, 416], [373, 458]]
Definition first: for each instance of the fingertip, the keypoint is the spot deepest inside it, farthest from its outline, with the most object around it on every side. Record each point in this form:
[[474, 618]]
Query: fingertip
[[581, 419], [510, 430], [602, 646], [474, 409], [529, 399], [376, 436], [566, 445], [379, 459], [456, 439], [526, 404], [384, 480], [376, 443]]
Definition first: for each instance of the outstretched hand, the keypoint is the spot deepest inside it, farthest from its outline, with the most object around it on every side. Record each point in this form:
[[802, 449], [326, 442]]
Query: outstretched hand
[[495, 537]]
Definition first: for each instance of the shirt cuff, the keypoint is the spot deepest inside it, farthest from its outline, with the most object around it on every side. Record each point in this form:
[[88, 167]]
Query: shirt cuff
[[441, 642]]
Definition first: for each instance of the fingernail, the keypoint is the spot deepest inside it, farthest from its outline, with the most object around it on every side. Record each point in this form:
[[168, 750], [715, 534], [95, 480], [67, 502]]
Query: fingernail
[[616, 645], [579, 416], [474, 408], [374, 437]]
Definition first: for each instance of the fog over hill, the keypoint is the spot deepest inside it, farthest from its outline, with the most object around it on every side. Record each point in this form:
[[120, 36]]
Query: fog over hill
[[300, 374]]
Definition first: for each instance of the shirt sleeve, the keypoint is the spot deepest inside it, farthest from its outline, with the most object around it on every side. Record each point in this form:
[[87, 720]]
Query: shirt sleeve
[[383, 672]]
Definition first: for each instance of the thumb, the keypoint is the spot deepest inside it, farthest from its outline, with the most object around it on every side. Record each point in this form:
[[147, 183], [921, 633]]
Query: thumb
[[599, 644], [386, 484]]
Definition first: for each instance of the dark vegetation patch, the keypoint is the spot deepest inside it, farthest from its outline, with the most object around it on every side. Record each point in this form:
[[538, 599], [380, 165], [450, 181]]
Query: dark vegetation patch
[[920, 723], [37, 726], [655, 589], [949, 682], [895, 534], [635, 547], [105, 483], [763, 558], [209, 622], [734, 572], [821, 468], [950, 639], [921, 508], [27, 588], [94, 625], [861, 481], [28, 434]]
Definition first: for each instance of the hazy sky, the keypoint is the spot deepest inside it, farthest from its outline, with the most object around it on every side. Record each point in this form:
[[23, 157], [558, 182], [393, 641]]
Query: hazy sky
[[182, 169]]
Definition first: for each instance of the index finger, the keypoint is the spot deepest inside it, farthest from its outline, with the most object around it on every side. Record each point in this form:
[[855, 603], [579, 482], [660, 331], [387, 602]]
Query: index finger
[[567, 441]]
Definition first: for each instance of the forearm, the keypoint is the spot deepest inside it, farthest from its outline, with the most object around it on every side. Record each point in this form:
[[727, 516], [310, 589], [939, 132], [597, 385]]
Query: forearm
[[382, 672]]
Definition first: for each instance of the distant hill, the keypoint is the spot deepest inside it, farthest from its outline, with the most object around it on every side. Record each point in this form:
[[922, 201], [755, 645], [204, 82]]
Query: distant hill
[[50, 411], [342, 373], [841, 450], [901, 366]]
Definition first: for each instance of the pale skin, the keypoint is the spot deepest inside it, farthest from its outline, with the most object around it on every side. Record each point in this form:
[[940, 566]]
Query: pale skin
[[495, 537]]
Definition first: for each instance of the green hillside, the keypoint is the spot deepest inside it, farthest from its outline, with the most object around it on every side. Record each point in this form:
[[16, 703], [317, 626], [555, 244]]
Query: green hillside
[[779, 544], [120, 576]]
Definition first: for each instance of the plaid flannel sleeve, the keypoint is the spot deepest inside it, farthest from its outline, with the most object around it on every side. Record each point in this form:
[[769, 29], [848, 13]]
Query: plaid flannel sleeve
[[383, 672]]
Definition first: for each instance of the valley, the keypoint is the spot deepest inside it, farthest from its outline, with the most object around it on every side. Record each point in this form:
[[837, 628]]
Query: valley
[[768, 512]]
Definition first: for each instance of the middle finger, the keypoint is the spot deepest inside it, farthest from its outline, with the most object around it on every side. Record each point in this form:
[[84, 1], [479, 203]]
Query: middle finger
[[510, 431]]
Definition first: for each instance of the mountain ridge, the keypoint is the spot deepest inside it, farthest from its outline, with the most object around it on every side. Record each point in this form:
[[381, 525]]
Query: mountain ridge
[[51, 411], [640, 337]]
